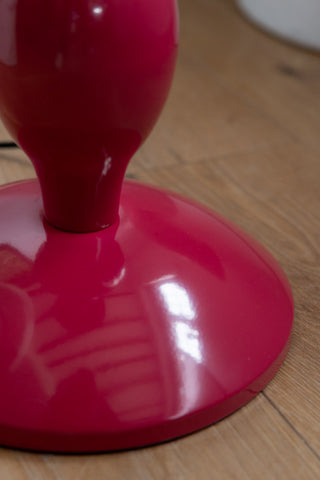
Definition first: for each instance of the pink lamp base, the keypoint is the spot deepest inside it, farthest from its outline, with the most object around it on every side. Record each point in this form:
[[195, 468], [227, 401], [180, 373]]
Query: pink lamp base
[[160, 325]]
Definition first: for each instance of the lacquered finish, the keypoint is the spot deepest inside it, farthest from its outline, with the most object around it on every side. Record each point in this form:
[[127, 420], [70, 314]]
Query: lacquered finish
[[82, 83], [159, 325]]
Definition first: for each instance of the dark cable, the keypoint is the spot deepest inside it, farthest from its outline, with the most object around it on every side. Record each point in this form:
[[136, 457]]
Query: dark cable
[[8, 145]]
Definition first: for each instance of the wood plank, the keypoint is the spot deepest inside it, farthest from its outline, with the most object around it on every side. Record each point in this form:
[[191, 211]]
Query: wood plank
[[253, 443], [204, 118], [14, 165], [4, 135], [275, 77]]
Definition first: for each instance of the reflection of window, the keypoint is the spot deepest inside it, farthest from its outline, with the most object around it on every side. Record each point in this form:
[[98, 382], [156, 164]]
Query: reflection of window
[[188, 340], [177, 300], [97, 7], [179, 304], [97, 10]]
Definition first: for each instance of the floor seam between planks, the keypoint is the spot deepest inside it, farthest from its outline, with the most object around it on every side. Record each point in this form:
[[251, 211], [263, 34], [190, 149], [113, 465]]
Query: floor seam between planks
[[209, 159], [291, 426]]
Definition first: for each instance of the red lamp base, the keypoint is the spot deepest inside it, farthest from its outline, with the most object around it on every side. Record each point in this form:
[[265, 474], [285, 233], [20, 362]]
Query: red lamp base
[[151, 329]]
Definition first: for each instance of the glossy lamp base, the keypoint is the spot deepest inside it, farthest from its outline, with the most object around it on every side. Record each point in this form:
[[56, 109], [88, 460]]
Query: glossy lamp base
[[158, 326]]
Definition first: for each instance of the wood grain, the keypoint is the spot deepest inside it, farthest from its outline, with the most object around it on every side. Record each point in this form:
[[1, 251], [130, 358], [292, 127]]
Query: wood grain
[[4, 135], [239, 134]]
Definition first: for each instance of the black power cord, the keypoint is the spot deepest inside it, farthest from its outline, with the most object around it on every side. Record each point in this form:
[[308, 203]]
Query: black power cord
[[8, 145]]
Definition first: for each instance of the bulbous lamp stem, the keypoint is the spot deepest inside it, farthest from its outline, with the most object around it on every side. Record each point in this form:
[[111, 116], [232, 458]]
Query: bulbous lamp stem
[[81, 85]]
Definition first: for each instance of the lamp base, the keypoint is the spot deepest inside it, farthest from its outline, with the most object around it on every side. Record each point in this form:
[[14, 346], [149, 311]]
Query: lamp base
[[160, 325]]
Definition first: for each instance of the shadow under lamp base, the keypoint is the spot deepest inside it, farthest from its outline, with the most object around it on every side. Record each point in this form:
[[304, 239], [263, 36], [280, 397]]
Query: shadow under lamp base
[[153, 328]]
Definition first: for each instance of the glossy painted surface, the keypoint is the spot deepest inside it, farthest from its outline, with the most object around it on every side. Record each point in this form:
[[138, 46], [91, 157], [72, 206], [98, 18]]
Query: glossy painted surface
[[82, 83], [145, 331]]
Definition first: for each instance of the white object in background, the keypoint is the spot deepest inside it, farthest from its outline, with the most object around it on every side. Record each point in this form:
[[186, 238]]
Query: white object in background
[[296, 20]]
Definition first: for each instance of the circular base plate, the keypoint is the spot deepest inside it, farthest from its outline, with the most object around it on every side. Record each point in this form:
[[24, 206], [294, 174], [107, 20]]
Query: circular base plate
[[153, 328]]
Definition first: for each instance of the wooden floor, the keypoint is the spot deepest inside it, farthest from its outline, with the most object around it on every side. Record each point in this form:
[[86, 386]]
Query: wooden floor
[[240, 133]]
